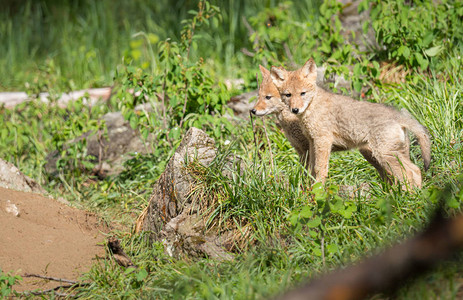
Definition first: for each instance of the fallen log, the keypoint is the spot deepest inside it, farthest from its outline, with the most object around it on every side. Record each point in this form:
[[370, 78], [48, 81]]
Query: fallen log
[[89, 96]]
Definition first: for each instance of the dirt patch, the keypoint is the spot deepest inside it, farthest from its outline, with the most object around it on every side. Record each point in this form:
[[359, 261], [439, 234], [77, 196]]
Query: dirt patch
[[47, 238]]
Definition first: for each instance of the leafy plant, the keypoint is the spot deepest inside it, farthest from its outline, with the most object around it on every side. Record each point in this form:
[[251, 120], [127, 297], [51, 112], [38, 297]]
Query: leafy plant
[[273, 32], [7, 281], [70, 138], [181, 90], [413, 33], [310, 219]]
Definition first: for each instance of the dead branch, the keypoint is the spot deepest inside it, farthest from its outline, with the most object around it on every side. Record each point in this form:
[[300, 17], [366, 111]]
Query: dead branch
[[51, 278], [98, 169], [251, 31], [44, 292], [55, 289], [89, 96], [255, 44], [141, 219], [247, 52]]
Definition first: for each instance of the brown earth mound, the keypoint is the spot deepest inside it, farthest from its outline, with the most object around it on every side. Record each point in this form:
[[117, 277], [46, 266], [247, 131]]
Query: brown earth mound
[[47, 238]]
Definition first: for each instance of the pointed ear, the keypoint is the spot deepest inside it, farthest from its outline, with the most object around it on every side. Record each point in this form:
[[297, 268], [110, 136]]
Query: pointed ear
[[278, 76], [309, 70], [264, 71]]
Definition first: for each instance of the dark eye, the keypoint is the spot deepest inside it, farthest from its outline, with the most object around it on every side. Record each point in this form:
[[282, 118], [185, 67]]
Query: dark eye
[[288, 95], [303, 93], [268, 97]]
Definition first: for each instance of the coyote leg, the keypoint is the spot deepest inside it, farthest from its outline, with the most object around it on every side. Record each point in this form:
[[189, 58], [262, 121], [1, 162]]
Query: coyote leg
[[368, 155], [402, 169], [322, 151]]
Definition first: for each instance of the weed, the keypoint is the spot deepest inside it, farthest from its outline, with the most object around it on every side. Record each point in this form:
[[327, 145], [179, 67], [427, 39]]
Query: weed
[[7, 281]]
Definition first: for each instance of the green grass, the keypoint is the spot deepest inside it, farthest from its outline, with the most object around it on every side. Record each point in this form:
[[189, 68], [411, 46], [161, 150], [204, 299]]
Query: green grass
[[267, 265], [292, 236], [79, 44]]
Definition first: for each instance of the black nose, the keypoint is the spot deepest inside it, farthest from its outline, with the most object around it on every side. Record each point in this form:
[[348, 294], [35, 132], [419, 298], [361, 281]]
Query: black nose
[[295, 110], [253, 111]]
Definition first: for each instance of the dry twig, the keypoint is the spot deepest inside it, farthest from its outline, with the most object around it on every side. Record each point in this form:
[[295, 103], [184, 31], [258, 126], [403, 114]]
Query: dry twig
[[51, 278], [72, 284]]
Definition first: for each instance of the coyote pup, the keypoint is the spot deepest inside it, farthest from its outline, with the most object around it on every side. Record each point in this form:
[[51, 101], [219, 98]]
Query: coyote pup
[[269, 102], [327, 119]]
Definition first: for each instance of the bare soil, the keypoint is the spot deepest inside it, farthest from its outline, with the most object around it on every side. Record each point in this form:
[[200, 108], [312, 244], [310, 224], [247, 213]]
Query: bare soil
[[47, 238]]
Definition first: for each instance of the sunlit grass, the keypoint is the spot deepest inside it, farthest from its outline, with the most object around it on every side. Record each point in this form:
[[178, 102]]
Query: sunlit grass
[[81, 45]]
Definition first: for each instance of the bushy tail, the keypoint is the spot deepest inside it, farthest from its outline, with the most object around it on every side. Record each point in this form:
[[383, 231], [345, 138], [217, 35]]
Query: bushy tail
[[421, 134]]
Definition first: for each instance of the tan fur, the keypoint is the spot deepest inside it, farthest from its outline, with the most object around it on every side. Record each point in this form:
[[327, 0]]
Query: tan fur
[[327, 120], [288, 121]]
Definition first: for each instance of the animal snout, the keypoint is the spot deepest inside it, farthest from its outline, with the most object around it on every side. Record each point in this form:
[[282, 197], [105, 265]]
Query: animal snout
[[295, 110], [253, 111]]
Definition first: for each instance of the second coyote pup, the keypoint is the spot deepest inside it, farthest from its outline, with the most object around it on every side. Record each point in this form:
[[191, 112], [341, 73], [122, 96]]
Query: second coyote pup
[[327, 119], [269, 102]]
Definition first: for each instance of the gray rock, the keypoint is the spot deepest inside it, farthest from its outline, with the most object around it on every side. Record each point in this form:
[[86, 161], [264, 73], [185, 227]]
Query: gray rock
[[11, 208], [12, 178], [242, 104], [352, 22], [113, 150], [172, 217]]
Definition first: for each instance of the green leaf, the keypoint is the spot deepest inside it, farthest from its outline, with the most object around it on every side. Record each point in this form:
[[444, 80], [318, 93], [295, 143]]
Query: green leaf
[[363, 5], [317, 251], [145, 133], [133, 121], [337, 206], [128, 271], [142, 274], [348, 211], [433, 51], [365, 27], [87, 164], [428, 38], [313, 233], [453, 203], [357, 69], [315, 222], [173, 101], [174, 133], [332, 248], [318, 188], [306, 212], [293, 219], [404, 51], [325, 47], [11, 280], [358, 85], [215, 22], [422, 62]]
